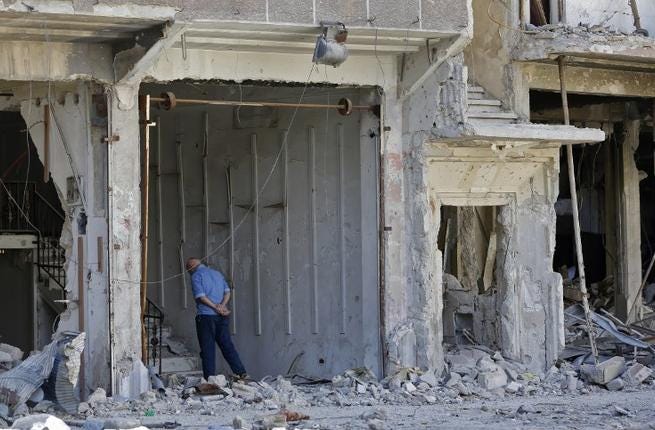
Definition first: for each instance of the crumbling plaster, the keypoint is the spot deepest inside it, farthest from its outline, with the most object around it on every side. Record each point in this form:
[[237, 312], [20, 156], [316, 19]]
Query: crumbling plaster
[[524, 184], [70, 106]]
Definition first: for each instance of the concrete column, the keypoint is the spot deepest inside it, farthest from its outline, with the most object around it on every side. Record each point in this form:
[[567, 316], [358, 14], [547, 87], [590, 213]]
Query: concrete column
[[399, 341], [124, 243], [627, 297]]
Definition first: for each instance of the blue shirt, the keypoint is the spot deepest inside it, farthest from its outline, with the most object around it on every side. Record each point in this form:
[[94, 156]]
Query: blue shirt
[[208, 283]]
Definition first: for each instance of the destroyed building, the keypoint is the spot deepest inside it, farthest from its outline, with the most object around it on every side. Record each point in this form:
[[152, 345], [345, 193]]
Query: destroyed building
[[366, 215]]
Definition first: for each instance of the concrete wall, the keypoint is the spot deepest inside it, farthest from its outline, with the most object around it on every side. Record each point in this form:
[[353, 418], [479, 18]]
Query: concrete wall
[[617, 15], [326, 306], [433, 14]]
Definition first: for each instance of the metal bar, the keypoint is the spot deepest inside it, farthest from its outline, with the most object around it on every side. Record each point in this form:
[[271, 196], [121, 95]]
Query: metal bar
[[205, 186], [81, 309], [342, 229], [144, 108], [100, 254], [230, 203], [160, 215], [311, 173], [180, 187], [259, 104], [256, 274], [46, 143], [185, 303], [285, 226], [576, 216], [182, 209]]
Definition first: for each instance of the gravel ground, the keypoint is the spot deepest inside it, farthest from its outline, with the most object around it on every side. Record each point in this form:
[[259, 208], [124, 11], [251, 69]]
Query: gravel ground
[[614, 410]]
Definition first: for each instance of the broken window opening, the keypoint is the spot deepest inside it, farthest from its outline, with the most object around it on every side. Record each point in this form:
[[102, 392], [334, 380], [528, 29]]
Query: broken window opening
[[468, 240], [31, 260]]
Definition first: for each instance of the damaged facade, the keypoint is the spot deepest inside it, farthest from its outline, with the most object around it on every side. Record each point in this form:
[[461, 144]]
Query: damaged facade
[[434, 214]]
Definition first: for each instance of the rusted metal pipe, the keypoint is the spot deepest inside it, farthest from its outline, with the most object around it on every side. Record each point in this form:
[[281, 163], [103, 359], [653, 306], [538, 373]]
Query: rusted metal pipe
[[144, 108], [168, 101], [46, 143], [574, 203]]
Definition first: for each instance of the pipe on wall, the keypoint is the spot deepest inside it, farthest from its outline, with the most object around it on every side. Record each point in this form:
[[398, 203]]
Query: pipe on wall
[[255, 258], [311, 180]]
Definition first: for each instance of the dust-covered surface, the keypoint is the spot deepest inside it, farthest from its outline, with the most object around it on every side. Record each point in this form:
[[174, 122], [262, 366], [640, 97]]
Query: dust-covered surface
[[478, 388]]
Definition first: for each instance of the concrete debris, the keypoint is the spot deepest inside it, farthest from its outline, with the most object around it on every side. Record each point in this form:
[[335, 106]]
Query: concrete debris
[[40, 422], [615, 384], [15, 353], [604, 372], [637, 373]]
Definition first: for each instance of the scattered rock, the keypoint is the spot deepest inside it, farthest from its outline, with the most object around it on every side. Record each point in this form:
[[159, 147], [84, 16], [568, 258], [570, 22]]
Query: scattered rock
[[604, 372], [40, 422], [513, 387], [636, 374], [526, 409], [375, 424], [429, 378], [615, 384], [98, 397], [219, 380], [493, 379]]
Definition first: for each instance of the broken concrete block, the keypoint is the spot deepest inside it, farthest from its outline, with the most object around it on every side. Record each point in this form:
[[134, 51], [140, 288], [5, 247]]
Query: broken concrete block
[[429, 378], [245, 392], [494, 379], [636, 374], [497, 356], [16, 354], [361, 389], [38, 422], [462, 389], [513, 387], [571, 382], [218, 380], [409, 387], [604, 372], [486, 364], [375, 424], [5, 357], [99, 396], [615, 384], [453, 379]]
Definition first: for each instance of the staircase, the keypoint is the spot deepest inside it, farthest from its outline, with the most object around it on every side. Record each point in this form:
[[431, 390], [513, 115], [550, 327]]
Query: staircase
[[24, 210], [176, 357], [483, 109], [165, 353]]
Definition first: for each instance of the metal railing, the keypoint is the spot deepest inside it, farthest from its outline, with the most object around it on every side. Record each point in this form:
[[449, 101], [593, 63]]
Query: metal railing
[[153, 320], [23, 209]]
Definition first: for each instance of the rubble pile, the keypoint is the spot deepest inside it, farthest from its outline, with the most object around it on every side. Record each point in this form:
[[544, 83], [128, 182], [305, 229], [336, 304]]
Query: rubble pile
[[587, 32]]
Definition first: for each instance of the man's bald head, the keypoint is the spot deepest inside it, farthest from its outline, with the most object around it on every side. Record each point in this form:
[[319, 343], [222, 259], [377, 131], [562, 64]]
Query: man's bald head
[[192, 263]]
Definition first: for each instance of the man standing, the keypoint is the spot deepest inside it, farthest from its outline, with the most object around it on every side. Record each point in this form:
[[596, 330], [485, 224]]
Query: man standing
[[212, 295]]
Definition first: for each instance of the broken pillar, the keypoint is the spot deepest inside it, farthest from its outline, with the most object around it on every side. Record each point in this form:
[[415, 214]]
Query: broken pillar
[[628, 299], [124, 242]]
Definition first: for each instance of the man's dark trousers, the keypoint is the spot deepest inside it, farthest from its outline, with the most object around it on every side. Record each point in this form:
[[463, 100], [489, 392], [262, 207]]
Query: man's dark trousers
[[212, 330]]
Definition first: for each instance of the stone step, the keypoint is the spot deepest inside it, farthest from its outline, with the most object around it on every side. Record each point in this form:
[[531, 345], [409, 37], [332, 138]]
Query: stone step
[[179, 364], [475, 89], [490, 121], [484, 102], [493, 115], [476, 96], [476, 109]]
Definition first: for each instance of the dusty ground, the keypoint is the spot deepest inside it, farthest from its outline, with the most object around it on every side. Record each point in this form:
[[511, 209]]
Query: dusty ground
[[612, 410]]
